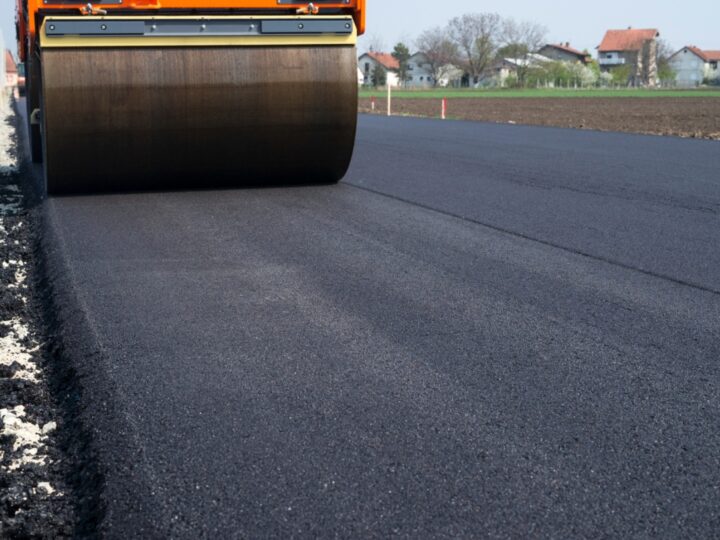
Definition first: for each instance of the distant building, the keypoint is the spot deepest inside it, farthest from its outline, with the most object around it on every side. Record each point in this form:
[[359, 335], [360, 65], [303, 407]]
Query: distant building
[[11, 71], [692, 66], [563, 52], [3, 58], [370, 60], [632, 50], [509, 67], [420, 73]]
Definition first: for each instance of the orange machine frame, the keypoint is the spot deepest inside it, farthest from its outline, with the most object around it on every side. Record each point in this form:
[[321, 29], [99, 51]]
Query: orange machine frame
[[36, 9]]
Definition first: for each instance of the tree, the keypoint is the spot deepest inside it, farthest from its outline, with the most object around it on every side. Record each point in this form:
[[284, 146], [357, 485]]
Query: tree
[[373, 42], [476, 37], [621, 75], [401, 53], [379, 76], [519, 41], [666, 73], [595, 68], [439, 50]]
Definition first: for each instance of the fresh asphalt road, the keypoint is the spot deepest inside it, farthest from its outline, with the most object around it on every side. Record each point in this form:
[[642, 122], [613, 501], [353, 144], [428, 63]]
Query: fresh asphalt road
[[482, 331]]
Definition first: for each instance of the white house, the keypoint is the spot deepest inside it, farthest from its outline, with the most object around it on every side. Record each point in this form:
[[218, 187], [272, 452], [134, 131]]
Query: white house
[[420, 73], [693, 65], [370, 60], [507, 67]]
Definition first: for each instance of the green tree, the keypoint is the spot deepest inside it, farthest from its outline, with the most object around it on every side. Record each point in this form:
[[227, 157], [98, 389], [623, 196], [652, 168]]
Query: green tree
[[513, 50], [621, 75], [666, 73], [379, 76], [595, 68], [401, 53]]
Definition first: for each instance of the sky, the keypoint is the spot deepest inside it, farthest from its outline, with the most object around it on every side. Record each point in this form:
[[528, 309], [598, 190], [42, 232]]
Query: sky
[[583, 24], [693, 22]]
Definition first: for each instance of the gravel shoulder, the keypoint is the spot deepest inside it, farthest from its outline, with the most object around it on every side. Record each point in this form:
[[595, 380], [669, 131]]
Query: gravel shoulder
[[36, 497], [682, 117]]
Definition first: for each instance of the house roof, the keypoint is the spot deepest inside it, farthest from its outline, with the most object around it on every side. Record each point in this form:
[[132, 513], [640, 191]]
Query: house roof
[[706, 56], [10, 66], [627, 40], [386, 60], [568, 49], [533, 59]]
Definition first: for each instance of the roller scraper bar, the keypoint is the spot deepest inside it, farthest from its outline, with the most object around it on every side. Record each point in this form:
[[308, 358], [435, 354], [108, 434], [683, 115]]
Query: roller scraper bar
[[70, 32]]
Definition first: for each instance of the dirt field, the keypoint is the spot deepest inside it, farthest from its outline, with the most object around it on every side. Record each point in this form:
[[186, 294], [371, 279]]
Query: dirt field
[[684, 117]]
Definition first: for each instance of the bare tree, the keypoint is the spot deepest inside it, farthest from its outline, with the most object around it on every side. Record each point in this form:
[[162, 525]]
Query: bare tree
[[439, 50], [520, 40], [476, 36], [373, 43]]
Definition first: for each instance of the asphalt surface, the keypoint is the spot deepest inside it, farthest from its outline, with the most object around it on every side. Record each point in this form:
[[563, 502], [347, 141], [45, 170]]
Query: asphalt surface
[[483, 331]]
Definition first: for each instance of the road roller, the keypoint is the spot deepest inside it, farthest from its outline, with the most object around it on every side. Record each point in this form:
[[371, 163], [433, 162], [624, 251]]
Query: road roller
[[131, 95]]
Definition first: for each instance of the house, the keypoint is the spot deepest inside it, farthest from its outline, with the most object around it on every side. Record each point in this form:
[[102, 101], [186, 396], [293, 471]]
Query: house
[[11, 71], [3, 59], [632, 50], [563, 52], [692, 66], [369, 61], [511, 67], [420, 74]]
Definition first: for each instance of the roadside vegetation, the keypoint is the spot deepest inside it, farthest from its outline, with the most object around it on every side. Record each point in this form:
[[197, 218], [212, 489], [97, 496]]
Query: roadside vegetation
[[439, 93]]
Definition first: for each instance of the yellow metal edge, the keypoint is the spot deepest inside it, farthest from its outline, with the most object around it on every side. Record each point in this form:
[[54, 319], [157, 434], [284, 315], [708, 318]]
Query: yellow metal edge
[[196, 41]]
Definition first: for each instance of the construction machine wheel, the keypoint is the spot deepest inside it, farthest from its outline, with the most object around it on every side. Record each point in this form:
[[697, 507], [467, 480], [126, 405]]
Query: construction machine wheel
[[194, 117]]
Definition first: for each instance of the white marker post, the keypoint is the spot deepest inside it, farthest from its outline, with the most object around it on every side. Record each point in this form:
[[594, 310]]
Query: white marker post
[[389, 100], [444, 108]]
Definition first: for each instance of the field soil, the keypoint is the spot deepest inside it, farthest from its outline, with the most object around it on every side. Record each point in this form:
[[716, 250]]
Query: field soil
[[683, 117]]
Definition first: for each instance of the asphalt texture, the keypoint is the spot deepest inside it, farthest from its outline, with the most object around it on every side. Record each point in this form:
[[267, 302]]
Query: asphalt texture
[[483, 330]]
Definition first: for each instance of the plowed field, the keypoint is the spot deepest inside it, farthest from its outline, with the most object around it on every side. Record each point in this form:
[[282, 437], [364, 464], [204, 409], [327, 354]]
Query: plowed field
[[684, 117]]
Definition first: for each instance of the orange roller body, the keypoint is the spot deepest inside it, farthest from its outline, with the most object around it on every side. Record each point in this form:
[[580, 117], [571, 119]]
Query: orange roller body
[[175, 94]]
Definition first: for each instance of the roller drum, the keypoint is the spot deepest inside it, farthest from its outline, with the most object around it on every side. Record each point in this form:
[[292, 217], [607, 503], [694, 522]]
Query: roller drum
[[196, 117]]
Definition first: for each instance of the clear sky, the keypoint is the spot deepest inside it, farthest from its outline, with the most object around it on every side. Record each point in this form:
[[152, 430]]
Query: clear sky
[[582, 23], [692, 22]]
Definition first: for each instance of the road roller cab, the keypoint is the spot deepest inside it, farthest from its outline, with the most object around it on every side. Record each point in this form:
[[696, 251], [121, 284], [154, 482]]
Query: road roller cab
[[171, 94]]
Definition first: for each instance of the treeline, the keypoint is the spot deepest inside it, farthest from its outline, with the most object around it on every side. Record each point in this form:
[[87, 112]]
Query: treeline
[[473, 45], [474, 42]]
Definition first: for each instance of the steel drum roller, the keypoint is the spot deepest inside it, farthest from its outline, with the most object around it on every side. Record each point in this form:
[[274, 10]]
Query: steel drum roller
[[172, 118]]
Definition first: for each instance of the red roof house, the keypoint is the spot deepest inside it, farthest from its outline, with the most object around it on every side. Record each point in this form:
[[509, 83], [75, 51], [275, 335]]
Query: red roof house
[[693, 66], [368, 61], [634, 50], [627, 40], [11, 71], [386, 60]]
